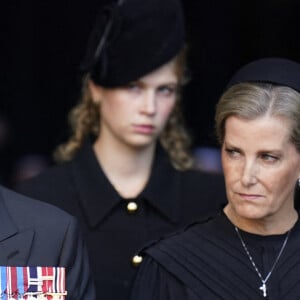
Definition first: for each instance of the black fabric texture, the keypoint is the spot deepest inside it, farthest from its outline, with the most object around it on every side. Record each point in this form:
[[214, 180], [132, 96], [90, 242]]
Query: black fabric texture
[[273, 70], [136, 37], [207, 261]]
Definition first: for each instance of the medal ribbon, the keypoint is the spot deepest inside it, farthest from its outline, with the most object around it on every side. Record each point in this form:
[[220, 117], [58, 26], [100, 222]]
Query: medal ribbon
[[58, 288], [17, 283], [21, 282], [3, 281], [25, 276], [34, 280], [11, 285], [47, 273]]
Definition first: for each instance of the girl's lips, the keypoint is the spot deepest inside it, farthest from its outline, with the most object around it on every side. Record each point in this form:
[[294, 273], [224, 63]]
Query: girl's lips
[[144, 129]]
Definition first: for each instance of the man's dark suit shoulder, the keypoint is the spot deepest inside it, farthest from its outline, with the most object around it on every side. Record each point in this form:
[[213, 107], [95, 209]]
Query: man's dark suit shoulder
[[31, 212]]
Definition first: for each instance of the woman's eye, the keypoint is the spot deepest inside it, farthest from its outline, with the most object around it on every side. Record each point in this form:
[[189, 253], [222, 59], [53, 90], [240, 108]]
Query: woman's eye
[[232, 153], [133, 87], [269, 158]]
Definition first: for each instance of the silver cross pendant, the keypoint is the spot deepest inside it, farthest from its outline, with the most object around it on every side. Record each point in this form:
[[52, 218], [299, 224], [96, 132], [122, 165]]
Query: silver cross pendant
[[264, 289]]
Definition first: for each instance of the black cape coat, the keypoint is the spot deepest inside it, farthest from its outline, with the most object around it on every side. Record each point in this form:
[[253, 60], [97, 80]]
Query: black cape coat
[[208, 261], [33, 233], [170, 200]]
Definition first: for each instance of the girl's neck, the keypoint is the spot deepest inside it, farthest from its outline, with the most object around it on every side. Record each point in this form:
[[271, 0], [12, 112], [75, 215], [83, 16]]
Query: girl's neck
[[127, 168]]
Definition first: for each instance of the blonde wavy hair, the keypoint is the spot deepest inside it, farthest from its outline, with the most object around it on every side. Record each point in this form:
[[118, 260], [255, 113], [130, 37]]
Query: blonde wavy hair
[[84, 121]]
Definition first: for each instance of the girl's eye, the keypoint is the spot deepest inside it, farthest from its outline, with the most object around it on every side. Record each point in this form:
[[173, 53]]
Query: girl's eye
[[133, 87], [167, 90]]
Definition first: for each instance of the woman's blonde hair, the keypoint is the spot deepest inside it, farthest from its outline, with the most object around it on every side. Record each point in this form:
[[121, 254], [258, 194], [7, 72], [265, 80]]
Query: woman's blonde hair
[[253, 100], [84, 121]]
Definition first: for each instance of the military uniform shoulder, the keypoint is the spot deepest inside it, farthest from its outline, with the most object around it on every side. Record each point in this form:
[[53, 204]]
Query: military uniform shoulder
[[23, 207]]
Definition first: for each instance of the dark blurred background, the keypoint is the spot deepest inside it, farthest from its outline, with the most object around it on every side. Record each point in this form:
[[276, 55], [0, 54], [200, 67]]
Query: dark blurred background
[[42, 43]]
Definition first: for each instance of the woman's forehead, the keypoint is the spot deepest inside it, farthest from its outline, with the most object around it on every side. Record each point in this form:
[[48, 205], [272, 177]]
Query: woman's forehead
[[267, 130]]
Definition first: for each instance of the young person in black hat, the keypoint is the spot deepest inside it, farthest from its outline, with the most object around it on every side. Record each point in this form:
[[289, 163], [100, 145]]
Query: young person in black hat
[[127, 171], [251, 249]]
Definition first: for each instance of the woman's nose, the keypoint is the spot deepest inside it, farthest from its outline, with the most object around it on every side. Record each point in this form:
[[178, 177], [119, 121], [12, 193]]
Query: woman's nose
[[249, 174]]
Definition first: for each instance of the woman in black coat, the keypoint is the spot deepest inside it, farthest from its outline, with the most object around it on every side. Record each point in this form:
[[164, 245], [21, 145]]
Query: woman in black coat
[[127, 173], [250, 250]]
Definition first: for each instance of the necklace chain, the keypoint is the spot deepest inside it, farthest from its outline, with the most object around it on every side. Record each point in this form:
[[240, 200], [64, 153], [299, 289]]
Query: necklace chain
[[263, 287]]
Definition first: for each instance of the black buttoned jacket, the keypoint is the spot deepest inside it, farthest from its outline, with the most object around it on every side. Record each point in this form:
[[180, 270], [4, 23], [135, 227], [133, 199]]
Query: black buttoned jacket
[[170, 200]]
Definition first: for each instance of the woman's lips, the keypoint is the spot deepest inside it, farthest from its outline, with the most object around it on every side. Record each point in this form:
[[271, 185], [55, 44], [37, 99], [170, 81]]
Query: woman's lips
[[250, 197]]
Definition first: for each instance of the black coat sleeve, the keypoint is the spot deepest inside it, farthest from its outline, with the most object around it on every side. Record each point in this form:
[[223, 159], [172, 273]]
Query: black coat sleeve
[[74, 257]]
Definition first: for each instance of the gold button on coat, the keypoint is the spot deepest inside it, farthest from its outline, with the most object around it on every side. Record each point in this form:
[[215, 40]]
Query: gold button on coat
[[132, 207], [136, 260]]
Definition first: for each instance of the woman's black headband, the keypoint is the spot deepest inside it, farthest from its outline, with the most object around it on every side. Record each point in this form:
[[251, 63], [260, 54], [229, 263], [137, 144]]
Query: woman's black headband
[[280, 71]]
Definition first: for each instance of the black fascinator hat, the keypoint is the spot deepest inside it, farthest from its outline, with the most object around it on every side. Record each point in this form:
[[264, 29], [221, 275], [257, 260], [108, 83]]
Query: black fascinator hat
[[274, 70], [132, 38]]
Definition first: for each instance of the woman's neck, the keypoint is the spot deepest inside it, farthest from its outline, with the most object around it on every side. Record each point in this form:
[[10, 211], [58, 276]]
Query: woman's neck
[[266, 226], [127, 168]]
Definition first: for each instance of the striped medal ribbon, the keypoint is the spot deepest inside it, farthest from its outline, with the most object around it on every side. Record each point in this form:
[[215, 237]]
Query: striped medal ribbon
[[32, 283]]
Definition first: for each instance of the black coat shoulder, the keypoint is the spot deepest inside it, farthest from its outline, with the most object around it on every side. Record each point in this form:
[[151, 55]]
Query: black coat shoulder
[[52, 186]]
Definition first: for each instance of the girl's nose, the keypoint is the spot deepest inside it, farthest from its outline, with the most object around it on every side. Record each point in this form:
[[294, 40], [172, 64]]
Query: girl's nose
[[149, 103]]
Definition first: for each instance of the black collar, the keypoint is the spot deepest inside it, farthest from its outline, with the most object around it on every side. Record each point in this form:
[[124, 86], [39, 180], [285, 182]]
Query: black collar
[[98, 197]]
